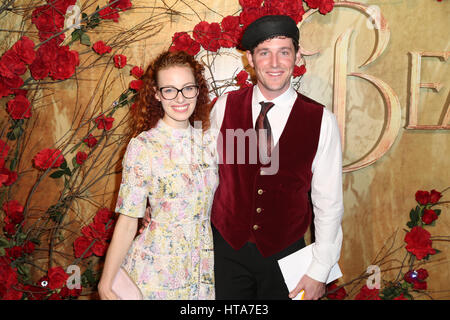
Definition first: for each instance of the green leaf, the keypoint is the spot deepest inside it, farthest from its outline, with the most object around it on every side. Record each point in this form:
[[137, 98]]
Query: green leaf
[[67, 172], [63, 165], [411, 224], [75, 163], [76, 35], [4, 242], [438, 211], [2, 252], [10, 135], [57, 174], [85, 39]]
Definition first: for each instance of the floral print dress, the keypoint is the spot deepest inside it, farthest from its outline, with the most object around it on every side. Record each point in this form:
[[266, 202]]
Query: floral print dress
[[175, 170]]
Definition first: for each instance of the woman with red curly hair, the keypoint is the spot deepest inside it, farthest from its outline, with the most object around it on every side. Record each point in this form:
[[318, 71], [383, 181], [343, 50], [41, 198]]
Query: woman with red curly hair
[[170, 163]]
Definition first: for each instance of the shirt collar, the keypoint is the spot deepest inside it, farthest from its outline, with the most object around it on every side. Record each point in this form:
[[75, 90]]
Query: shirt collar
[[286, 98]]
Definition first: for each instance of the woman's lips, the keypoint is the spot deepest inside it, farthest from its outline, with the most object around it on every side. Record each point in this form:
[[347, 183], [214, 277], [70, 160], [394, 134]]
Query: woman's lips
[[181, 108]]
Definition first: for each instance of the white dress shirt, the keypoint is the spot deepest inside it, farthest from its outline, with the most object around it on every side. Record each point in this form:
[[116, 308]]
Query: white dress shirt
[[326, 184]]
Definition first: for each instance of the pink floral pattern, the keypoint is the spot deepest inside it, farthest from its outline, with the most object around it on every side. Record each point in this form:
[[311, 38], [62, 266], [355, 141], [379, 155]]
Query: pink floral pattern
[[176, 171]]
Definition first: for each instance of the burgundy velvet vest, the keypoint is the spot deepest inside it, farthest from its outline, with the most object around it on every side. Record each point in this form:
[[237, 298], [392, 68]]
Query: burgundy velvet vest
[[271, 210]]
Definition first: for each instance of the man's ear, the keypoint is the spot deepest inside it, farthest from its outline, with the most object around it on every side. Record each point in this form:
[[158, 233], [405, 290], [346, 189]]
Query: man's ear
[[298, 57], [249, 58]]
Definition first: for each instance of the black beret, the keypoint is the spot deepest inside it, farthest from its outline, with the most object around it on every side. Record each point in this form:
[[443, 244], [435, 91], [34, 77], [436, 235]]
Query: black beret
[[268, 27]]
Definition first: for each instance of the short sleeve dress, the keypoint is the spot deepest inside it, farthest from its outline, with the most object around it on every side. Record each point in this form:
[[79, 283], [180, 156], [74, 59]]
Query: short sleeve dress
[[175, 170]]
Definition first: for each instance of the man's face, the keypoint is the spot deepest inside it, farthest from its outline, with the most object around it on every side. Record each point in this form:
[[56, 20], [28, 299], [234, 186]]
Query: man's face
[[274, 61]]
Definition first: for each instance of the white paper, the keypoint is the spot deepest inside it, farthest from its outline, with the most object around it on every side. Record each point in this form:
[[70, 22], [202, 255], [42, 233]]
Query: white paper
[[295, 265]]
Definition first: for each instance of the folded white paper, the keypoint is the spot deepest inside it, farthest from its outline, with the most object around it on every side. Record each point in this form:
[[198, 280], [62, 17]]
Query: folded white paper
[[295, 265]]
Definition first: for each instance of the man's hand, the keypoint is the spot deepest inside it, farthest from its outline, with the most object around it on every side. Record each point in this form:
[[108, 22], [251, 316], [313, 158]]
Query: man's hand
[[313, 289], [146, 219]]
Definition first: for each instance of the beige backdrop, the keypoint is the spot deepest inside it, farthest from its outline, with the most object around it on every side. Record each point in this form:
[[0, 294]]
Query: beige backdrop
[[377, 197]]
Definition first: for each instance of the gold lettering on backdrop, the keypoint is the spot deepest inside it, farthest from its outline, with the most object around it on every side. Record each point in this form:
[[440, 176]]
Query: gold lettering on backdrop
[[392, 104], [416, 85], [340, 81], [392, 123]]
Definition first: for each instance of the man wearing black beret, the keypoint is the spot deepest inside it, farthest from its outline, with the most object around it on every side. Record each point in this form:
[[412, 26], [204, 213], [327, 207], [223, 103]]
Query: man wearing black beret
[[260, 215]]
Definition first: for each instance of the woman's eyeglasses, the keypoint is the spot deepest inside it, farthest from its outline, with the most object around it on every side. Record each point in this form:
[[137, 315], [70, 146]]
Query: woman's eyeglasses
[[170, 93]]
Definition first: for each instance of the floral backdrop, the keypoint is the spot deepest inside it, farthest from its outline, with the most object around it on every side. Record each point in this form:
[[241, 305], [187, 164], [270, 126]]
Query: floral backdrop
[[52, 244]]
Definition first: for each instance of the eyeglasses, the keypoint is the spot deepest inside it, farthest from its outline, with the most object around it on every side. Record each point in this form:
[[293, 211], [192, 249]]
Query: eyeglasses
[[170, 93]]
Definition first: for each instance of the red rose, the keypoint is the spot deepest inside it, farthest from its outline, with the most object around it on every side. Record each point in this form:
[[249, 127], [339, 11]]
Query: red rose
[[293, 8], [61, 5], [66, 293], [48, 20], [400, 297], [241, 78], [14, 218], [103, 216], [24, 48], [208, 35], [64, 66], [39, 69], [299, 71], [313, 4], [101, 48], [137, 72], [181, 41], [435, 196], [121, 4], [120, 61], [4, 149], [3, 178], [429, 216], [326, 6], [420, 285], [232, 32], [10, 288], [35, 292], [81, 157], [19, 108], [80, 245], [10, 228], [136, 84], [419, 243], [248, 15], [368, 294], [11, 64], [422, 274], [334, 294], [109, 14], [4, 89], [28, 247], [99, 248], [104, 122], [94, 231], [90, 141], [14, 253], [48, 158], [423, 197], [250, 3], [14, 211], [57, 277]]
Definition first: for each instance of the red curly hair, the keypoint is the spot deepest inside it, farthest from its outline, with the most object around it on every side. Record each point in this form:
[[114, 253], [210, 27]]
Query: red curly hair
[[148, 110]]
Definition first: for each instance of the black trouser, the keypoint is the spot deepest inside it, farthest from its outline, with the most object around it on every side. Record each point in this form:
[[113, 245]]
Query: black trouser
[[245, 274]]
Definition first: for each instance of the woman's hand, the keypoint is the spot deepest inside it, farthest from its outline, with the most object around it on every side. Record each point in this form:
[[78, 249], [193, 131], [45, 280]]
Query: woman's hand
[[106, 292]]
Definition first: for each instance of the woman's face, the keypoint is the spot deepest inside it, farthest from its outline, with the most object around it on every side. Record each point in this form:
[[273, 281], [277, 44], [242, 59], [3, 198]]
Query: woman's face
[[178, 105]]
